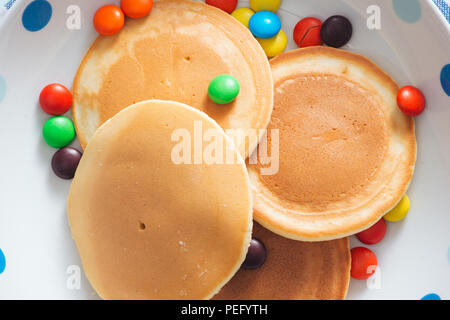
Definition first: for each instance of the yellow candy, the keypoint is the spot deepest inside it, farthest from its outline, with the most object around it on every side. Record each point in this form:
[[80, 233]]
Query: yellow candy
[[400, 211], [243, 15], [274, 46], [269, 5]]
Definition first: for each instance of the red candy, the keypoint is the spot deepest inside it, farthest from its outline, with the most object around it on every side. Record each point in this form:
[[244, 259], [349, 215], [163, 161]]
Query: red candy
[[55, 99], [411, 101], [307, 32], [364, 263], [374, 234], [225, 5]]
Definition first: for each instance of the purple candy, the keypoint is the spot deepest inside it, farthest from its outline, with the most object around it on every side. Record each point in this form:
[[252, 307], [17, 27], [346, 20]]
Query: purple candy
[[336, 31], [65, 162], [256, 255]]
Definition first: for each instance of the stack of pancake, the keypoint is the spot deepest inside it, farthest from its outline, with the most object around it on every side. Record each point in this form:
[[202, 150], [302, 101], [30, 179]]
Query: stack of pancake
[[150, 227]]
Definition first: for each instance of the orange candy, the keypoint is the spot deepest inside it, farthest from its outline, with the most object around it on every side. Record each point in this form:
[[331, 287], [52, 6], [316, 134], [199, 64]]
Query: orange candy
[[136, 8], [108, 20]]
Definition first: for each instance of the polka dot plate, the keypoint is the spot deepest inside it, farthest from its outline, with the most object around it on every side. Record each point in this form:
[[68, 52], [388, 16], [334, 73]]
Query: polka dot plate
[[43, 41]]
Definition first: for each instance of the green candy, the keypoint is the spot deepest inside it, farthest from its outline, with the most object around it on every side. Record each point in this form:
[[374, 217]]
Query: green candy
[[58, 132], [223, 89]]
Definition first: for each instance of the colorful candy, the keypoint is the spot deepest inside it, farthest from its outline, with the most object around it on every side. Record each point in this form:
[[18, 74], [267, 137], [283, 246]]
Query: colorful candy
[[374, 234], [265, 24], [243, 15], [265, 5], [2, 262], [223, 89], [411, 101], [225, 5], [58, 131], [275, 45], [307, 32], [336, 31], [364, 263], [109, 20], [431, 296], [65, 162], [55, 99], [400, 211], [136, 8], [256, 255]]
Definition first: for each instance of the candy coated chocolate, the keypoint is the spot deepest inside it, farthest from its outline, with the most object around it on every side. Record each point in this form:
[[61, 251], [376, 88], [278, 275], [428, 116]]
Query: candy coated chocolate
[[225, 5], [364, 263], [400, 211], [55, 99], [65, 162], [256, 255], [223, 89], [307, 32], [58, 131], [109, 20], [336, 31], [268, 5], [411, 101], [265, 24], [275, 45], [374, 234], [243, 15]]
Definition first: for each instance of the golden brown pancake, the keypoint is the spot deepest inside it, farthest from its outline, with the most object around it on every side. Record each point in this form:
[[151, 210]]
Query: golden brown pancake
[[148, 228], [293, 270], [173, 54], [346, 151]]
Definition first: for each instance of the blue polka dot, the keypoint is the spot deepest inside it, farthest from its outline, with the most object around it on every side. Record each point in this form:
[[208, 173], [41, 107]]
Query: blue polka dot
[[37, 15], [409, 11], [2, 262], [445, 79], [2, 88], [431, 296], [448, 255]]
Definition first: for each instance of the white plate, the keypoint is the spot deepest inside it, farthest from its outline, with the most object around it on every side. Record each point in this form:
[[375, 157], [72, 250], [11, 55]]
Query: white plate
[[41, 258]]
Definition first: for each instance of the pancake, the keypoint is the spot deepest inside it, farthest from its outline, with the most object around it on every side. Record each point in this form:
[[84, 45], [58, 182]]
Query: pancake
[[148, 228], [173, 54], [346, 151], [293, 270]]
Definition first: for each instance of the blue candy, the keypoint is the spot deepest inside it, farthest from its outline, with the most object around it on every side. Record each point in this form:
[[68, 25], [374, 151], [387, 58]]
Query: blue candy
[[431, 296], [265, 24]]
